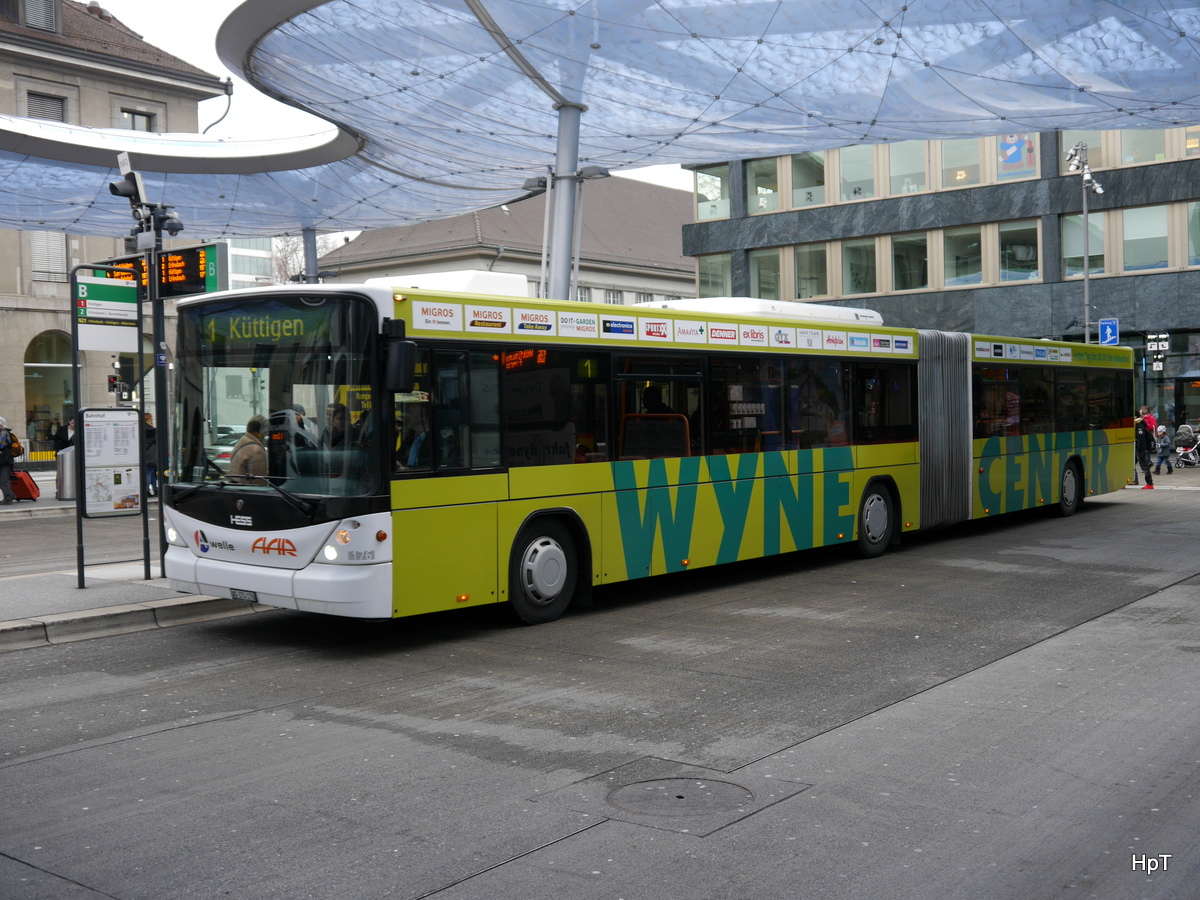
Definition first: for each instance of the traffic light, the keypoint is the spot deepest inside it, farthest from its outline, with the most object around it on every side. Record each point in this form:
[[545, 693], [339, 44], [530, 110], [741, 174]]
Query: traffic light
[[114, 383], [1157, 346], [130, 187]]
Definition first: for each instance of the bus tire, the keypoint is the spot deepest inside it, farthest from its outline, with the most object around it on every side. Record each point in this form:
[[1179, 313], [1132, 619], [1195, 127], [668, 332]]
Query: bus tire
[[1070, 495], [876, 520], [543, 571]]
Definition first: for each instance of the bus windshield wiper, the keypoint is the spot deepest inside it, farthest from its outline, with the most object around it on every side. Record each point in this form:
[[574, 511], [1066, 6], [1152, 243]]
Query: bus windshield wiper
[[302, 505], [187, 492]]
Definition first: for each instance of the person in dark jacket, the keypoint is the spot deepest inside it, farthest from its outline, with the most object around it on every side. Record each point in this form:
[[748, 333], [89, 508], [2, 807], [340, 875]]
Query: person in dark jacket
[[1143, 446], [150, 456]]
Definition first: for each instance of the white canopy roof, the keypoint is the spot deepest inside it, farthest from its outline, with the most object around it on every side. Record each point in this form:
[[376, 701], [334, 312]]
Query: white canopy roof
[[444, 106]]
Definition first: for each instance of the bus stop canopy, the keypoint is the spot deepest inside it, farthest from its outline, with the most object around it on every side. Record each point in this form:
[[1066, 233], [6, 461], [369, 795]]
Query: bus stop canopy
[[440, 107]]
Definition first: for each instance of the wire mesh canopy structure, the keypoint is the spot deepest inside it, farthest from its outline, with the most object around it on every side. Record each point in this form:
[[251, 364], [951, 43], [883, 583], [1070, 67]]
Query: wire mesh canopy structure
[[445, 106]]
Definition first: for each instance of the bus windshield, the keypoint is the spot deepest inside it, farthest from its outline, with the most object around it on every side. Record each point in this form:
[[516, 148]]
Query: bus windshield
[[277, 390]]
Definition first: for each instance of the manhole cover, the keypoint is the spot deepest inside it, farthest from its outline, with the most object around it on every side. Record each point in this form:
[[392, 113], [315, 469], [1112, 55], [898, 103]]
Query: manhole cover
[[680, 797]]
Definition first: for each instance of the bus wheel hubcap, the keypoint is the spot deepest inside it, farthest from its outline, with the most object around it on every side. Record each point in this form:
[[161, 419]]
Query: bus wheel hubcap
[[1068, 488], [543, 568], [875, 518]]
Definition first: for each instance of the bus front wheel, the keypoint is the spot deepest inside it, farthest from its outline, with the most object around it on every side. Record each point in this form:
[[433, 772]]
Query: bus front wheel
[[876, 521], [543, 572]]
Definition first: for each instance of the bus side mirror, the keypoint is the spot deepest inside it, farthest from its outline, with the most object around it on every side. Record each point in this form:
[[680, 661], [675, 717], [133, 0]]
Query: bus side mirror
[[401, 366]]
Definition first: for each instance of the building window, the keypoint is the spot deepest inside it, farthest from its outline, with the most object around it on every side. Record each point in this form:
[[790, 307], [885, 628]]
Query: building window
[[1193, 234], [960, 163], [808, 179], [131, 120], [1097, 158], [1019, 250], [1139, 147], [253, 266], [642, 297], [48, 255], [46, 106], [712, 193], [1191, 141], [857, 166], [42, 14], [910, 262], [858, 267], [1017, 157], [47, 386], [762, 185], [583, 294], [964, 259], [909, 174], [1144, 242], [1072, 242], [812, 271], [613, 297], [713, 275], [261, 244], [764, 274]]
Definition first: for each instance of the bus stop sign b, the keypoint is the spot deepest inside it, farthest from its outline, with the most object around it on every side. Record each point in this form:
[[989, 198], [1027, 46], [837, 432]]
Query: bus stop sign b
[[1110, 331]]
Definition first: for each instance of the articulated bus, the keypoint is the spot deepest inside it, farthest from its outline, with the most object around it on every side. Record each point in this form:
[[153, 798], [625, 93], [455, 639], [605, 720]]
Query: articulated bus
[[422, 450]]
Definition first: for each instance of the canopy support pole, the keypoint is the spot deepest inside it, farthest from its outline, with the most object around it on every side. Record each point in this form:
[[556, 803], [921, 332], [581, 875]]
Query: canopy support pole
[[566, 165]]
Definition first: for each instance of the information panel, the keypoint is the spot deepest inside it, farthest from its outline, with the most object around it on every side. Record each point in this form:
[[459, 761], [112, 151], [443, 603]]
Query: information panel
[[112, 464], [182, 271], [106, 312]]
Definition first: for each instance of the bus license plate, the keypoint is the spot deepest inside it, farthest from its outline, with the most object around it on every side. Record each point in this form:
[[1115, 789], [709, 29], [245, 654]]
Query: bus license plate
[[248, 596]]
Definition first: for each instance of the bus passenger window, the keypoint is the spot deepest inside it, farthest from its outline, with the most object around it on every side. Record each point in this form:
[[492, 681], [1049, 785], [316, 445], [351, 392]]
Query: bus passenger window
[[816, 403], [555, 407], [885, 403]]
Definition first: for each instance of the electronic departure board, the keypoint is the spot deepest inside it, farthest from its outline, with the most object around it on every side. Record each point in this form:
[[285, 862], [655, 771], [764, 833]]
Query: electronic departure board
[[182, 271]]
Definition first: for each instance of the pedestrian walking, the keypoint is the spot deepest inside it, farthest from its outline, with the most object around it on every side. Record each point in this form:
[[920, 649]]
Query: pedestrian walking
[[150, 456], [1143, 446], [10, 449], [1163, 446]]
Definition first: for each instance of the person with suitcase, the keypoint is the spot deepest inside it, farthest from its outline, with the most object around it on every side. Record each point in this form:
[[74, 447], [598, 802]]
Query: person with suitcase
[[10, 449]]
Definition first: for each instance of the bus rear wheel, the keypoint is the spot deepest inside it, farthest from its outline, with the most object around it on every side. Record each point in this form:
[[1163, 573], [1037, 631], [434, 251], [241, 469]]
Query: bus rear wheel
[[542, 572], [1070, 495], [875, 521]]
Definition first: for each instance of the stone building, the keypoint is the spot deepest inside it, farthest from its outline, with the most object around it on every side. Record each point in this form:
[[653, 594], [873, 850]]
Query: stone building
[[629, 244], [75, 63]]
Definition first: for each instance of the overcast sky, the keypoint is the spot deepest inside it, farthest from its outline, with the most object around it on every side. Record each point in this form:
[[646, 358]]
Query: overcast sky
[[190, 34]]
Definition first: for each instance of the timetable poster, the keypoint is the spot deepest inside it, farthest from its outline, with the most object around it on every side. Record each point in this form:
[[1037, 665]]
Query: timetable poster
[[112, 463]]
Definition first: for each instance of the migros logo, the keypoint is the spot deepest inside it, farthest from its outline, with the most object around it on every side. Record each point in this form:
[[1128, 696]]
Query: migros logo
[[280, 546]]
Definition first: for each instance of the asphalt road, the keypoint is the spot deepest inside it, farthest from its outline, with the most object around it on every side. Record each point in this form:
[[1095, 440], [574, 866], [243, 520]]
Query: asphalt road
[[30, 546], [1007, 710]]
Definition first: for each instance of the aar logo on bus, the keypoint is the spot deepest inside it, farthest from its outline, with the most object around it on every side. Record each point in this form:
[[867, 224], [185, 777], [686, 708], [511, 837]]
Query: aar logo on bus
[[280, 546]]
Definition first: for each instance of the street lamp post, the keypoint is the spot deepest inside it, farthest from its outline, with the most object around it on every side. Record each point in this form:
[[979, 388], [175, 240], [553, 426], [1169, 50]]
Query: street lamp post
[[1077, 161]]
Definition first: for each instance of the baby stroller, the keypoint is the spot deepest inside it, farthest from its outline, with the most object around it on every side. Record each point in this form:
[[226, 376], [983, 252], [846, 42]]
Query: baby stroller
[[1186, 444]]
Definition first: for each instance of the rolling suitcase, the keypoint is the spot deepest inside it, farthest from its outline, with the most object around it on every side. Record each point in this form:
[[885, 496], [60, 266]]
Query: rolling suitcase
[[24, 487]]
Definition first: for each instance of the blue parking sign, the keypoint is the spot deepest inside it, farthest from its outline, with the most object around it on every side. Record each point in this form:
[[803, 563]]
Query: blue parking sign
[[1110, 331]]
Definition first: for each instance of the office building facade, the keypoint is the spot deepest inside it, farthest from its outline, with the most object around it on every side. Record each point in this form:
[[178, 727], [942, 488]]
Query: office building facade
[[979, 234]]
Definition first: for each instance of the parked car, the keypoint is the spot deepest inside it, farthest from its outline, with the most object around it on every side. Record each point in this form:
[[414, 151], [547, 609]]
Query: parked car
[[222, 450]]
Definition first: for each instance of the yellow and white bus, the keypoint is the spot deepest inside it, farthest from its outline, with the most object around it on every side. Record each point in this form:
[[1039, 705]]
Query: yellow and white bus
[[412, 450]]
